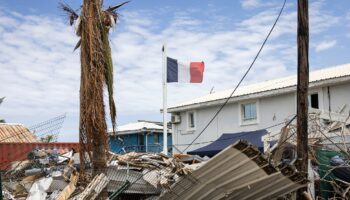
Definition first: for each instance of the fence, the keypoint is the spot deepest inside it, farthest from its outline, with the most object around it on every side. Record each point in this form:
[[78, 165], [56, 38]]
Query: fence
[[156, 148]]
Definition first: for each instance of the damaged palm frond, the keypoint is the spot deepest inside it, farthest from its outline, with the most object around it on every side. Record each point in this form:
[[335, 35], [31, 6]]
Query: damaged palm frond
[[92, 26], [77, 45], [113, 8], [72, 15], [109, 75], [111, 15], [109, 18]]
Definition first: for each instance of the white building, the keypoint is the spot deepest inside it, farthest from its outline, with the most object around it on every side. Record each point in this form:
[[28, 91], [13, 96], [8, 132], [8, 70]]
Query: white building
[[257, 106]]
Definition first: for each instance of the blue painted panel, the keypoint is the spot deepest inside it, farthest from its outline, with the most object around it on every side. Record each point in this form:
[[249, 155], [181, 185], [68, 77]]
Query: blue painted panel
[[131, 143]]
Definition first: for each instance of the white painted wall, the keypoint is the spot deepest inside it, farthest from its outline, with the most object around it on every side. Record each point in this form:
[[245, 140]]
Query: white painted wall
[[228, 121], [340, 95]]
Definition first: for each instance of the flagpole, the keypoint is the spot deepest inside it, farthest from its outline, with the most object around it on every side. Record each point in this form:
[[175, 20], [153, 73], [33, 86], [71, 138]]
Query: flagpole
[[165, 109]]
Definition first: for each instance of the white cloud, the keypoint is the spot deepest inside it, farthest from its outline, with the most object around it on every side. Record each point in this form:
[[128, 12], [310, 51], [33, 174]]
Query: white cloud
[[324, 45], [321, 19], [250, 3], [40, 73]]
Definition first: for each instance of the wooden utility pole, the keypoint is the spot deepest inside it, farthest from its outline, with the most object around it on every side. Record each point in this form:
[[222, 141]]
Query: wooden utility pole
[[302, 91]]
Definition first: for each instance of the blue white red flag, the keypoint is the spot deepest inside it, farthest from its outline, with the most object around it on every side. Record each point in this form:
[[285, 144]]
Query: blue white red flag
[[184, 72]]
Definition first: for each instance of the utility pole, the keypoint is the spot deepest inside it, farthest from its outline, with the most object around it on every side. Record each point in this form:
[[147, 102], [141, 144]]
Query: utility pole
[[302, 91]]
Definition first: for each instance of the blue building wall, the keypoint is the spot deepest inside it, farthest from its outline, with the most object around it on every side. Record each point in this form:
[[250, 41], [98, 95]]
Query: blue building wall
[[137, 142]]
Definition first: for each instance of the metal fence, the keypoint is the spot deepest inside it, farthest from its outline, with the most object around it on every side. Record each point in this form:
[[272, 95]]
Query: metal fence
[[155, 148]]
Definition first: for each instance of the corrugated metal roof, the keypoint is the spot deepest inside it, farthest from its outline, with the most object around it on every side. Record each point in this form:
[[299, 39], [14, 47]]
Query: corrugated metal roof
[[276, 84], [137, 127], [238, 172], [15, 133], [118, 177]]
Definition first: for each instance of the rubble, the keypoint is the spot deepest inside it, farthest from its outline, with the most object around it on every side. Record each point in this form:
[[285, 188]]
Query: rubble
[[239, 171], [52, 175], [49, 174], [39, 189], [329, 169], [94, 188], [145, 174], [43, 175]]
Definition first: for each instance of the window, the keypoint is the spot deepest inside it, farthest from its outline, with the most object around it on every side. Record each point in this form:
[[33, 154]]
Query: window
[[141, 139], [314, 101], [191, 120], [249, 112], [155, 138]]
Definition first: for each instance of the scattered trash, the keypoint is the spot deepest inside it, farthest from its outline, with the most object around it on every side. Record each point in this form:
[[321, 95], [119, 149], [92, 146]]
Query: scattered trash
[[44, 175], [39, 189], [53, 174], [240, 171]]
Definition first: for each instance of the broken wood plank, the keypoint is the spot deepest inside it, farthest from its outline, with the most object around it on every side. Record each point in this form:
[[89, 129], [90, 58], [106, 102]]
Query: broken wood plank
[[94, 188], [70, 188]]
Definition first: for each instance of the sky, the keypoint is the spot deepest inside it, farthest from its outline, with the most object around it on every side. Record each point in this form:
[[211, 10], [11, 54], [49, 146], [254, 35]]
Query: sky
[[40, 73]]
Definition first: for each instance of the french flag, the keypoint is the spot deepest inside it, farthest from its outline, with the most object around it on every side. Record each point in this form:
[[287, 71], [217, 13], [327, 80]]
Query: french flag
[[184, 72]]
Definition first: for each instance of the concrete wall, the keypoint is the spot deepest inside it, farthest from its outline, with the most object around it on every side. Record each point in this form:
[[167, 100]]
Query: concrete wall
[[339, 96], [270, 110]]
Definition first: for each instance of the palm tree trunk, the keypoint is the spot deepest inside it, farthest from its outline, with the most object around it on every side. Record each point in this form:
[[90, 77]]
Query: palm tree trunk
[[93, 128]]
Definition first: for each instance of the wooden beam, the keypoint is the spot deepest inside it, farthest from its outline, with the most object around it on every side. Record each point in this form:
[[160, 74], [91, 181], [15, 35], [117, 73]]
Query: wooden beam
[[70, 188], [95, 187]]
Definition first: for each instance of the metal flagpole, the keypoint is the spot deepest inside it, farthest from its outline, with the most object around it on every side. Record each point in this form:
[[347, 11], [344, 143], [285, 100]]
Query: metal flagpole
[[165, 109]]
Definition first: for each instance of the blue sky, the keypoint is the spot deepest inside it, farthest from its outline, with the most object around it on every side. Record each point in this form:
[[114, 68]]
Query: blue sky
[[40, 73]]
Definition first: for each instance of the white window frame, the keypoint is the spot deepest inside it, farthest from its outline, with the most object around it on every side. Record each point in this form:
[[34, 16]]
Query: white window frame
[[242, 122], [320, 98], [191, 129]]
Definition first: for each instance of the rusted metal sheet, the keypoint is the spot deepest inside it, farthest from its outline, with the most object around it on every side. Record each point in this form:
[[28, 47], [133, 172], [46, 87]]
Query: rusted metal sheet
[[10, 152], [15, 133], [238, 172]]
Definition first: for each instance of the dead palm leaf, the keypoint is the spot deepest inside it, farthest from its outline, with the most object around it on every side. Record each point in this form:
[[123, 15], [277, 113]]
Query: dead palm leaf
[[113, 8], [72, 15]]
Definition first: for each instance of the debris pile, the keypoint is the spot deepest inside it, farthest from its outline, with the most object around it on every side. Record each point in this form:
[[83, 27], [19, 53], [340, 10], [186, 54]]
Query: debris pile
[[239, 171], [53, 174], [145, 174], [42, 176], [233, 173], [329, 140]]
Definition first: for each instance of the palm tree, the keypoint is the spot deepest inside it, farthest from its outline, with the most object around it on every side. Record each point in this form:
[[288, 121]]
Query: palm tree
[[92, 26], [48, 138]]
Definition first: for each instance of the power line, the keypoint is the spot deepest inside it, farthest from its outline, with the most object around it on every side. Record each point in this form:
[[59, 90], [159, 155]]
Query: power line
[[239, 83]]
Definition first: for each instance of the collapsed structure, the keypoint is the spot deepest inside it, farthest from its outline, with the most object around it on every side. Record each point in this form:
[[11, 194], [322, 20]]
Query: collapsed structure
[[240, 171], [234, 171], [329, 169]]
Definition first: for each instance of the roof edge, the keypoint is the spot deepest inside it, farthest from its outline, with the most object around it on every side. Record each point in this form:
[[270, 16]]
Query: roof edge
[[268, 93]]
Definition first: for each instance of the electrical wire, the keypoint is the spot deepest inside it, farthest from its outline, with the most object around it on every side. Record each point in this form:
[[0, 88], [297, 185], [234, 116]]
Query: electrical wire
[[239, 83]]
